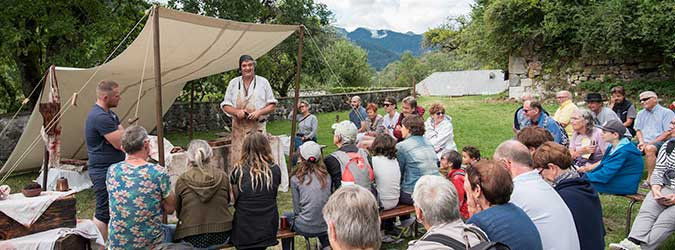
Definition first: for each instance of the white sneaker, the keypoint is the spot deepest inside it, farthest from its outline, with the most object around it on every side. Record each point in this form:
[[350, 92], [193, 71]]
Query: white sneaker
[[625, 244]]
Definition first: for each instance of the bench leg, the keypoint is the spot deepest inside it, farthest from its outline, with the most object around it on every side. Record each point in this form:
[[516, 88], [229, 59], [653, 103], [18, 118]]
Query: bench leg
[[628, 216]]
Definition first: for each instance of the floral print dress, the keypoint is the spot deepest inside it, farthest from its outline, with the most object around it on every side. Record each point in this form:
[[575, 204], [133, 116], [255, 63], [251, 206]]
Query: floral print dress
[[135, 194]]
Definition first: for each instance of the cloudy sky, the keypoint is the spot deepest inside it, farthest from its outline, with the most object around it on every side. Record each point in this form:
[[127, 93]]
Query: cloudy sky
[[398, 15]]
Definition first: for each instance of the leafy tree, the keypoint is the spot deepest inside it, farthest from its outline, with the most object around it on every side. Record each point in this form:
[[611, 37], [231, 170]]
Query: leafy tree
[[350, 64], [402, 72], [39, 33], [560, 32], [279, 65]]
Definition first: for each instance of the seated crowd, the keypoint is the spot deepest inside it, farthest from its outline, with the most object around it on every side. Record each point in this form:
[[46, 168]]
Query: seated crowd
[[540, 190]]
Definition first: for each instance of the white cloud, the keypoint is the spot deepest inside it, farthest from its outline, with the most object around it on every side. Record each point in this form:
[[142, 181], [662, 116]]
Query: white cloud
[[399, 15]]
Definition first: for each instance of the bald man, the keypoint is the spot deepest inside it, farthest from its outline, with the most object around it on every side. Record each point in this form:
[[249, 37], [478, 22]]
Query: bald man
[[358, 114]]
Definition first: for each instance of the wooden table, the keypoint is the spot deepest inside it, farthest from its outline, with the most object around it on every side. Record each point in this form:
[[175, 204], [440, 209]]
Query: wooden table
[[61, 213]]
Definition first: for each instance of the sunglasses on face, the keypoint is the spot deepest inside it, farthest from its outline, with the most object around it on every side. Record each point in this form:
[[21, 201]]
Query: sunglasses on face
[[439, 113], [387, 104], [645, 99]]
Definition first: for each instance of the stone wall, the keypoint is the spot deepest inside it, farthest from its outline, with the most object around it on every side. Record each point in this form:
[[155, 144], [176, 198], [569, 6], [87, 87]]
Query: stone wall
[[207, 116], [526, 73]]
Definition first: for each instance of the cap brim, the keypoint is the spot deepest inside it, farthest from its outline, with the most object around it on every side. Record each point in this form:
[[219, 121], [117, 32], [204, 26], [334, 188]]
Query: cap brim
[[601, 127]]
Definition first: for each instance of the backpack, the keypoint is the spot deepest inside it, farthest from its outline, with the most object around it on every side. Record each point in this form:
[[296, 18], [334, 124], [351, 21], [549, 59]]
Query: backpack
[[355, 168], [457, 245], [564, 140]]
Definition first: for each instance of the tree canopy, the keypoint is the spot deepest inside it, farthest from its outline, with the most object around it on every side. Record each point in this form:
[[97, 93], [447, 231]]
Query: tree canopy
[[40, 33], [562, 31]]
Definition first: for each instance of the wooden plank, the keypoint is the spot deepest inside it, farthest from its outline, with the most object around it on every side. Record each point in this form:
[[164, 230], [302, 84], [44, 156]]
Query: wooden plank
[[397, 211], [61, 213]]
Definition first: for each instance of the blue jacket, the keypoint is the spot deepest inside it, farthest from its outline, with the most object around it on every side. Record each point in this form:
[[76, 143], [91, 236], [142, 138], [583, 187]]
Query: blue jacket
[[416, 157], [584, 203], [550, 125], [619, 172]]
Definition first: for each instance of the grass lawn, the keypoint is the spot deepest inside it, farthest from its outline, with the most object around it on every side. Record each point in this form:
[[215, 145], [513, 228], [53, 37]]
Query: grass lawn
[[479, 121]]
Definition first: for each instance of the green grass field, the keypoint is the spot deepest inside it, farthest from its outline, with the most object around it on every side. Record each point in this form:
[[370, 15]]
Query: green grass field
[[480, 121]]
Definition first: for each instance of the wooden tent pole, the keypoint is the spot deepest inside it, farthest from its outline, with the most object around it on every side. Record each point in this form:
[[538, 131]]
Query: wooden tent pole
[[296, 98], [45, 168], [158, 86]]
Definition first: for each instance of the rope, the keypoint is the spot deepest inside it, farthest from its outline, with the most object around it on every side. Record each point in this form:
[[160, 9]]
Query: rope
[[145, 61], [339, 81], [23, 103], [58, 115]]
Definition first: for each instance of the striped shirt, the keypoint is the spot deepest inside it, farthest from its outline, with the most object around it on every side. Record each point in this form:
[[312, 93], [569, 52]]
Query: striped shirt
[[664, 162]]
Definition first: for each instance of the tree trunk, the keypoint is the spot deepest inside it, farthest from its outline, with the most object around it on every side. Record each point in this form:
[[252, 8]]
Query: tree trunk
[[30, 74]]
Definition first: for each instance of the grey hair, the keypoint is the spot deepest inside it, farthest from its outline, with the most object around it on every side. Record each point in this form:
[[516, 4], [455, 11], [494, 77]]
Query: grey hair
[[589, 121], [648, 94], [437, 198], [410, 100], [346, 131], [133, 139], [567, 93], [358, 98], [306, 103], [514, 151], [353, 211], [199, 153]]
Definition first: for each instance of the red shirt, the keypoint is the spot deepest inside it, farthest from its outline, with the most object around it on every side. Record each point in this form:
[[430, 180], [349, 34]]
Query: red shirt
[[456, 176]]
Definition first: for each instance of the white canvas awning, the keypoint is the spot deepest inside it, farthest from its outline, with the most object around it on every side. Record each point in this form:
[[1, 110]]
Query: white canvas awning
[[191, 47]]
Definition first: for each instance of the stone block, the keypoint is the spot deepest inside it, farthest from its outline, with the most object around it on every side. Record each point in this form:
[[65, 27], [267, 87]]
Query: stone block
[[516, 92], [527, 82], [514, 80], [517, 65]]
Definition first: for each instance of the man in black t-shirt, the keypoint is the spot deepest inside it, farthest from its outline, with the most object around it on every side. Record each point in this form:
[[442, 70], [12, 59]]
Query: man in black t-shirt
[[103, 134]]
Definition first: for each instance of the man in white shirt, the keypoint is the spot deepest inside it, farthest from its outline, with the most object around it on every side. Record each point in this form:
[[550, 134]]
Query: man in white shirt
[[537, 198], [391, 117], [249, 98]]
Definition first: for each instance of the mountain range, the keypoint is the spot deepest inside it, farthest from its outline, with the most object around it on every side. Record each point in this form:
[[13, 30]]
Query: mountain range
[[384, 46]]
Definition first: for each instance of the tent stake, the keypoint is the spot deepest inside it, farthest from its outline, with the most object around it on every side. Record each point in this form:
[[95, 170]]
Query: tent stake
[[294, 109]]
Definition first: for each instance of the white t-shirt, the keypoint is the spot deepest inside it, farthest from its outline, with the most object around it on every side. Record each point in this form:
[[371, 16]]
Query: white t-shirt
[[260, 88], [390, 123], [547, 210], [387, 180]]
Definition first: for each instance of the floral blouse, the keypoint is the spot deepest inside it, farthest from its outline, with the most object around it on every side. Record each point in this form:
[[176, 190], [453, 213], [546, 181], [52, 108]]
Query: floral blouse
[[135, 194]]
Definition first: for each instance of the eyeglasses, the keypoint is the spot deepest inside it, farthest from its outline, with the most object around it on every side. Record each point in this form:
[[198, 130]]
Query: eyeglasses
[[561, 97], [645, 99], [440, 113], [541, 170], [387, 104]]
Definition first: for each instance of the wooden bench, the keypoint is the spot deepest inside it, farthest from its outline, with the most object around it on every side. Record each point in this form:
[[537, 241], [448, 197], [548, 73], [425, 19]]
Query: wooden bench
[[634, 198], [400, 210], [281, 234]]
